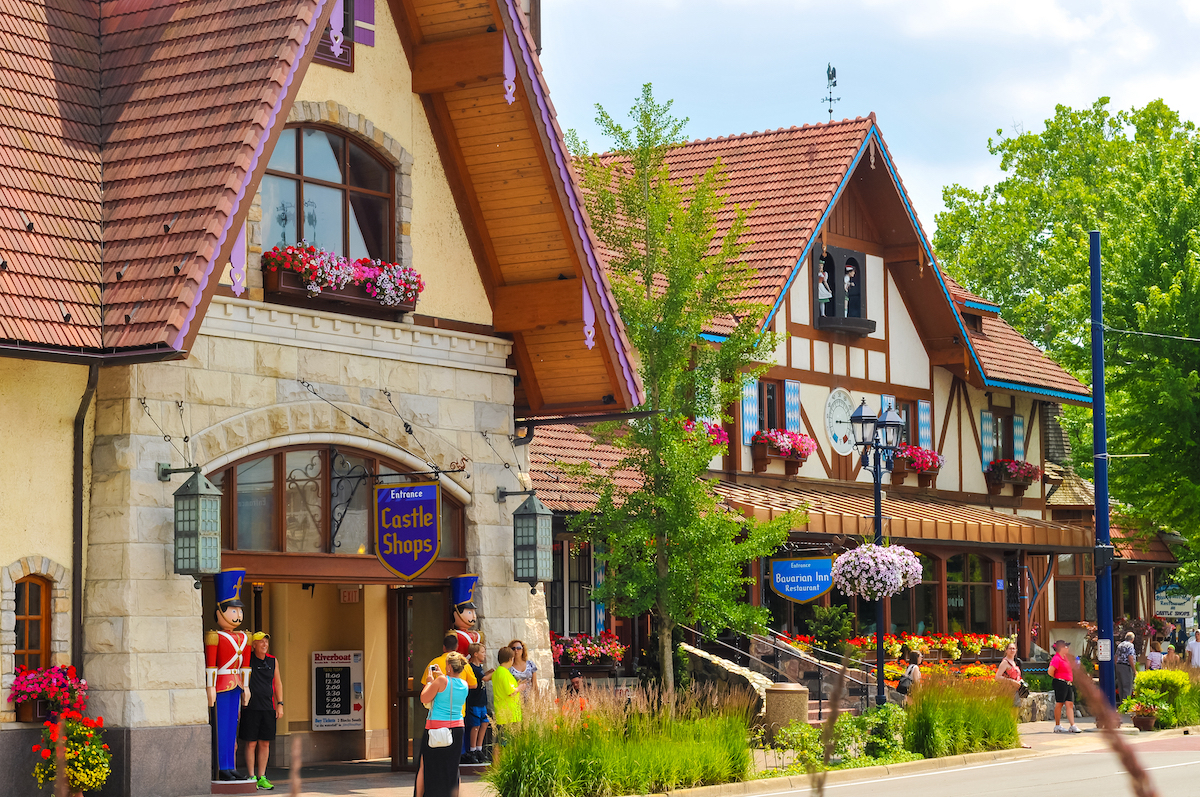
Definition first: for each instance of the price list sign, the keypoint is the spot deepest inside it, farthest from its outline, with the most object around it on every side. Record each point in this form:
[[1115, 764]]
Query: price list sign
[[337, 678]]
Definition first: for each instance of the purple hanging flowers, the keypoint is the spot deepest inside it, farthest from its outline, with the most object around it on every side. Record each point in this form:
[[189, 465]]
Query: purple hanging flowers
[[876, 571]]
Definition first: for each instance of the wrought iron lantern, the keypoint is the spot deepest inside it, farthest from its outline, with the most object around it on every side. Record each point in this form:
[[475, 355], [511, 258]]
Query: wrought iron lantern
[[533, 542], [888, 426], [197, 525]]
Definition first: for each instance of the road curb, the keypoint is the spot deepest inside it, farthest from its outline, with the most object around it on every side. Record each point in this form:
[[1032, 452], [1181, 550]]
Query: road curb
[[764, 786]]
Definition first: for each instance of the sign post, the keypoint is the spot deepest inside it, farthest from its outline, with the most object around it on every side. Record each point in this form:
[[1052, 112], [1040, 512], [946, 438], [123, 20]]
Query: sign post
[[337, 690], [408, 533]]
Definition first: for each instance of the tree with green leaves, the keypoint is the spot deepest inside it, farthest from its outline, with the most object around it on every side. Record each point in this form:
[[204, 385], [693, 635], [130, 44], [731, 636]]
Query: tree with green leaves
[[1023, 243], [670, 547]]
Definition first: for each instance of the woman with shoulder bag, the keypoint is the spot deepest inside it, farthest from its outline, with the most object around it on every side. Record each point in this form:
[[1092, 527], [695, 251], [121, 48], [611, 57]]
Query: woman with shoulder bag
[[912, 676], [1009, 672], [441, 745]]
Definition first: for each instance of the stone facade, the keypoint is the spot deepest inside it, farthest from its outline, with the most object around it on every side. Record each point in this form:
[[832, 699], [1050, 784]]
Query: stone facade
[[60, 617], [244, 389]]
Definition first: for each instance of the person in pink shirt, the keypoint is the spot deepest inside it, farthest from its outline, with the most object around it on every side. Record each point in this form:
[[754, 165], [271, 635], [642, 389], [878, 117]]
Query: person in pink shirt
[[1061, 675]]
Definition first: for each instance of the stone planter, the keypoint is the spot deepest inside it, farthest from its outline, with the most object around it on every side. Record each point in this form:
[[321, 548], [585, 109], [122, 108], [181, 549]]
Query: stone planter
[[762, 454], [288, 287], [784, 703]]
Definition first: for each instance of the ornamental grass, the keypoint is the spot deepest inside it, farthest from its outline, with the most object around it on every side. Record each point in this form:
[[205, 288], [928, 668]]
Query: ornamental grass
[[604, 743], [951, 716]]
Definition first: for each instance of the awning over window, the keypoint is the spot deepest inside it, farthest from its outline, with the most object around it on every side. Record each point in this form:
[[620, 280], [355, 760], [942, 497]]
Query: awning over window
[[851, 511]]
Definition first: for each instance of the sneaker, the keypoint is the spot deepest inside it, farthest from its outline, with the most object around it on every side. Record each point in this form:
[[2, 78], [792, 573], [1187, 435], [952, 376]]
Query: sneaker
[[1059, 729], [1074, 729], [265, 784]]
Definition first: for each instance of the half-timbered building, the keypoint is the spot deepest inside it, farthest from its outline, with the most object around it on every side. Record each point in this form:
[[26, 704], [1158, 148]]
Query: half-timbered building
[[848, 279]]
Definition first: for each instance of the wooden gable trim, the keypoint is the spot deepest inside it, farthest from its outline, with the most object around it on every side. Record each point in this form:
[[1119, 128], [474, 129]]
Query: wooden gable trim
[[812, 433], [194, 320]]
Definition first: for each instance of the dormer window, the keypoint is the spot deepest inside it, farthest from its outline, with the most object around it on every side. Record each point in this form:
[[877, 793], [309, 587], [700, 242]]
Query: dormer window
[[973, 322], [840, 290]]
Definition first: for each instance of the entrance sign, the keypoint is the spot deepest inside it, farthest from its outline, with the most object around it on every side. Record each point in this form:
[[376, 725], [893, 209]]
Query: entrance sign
[[1171, 601], [801, 580], [408, 533], [337, 690]]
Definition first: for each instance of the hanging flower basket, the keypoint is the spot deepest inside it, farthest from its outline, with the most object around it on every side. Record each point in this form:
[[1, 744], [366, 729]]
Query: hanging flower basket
[[794, 448], [876, 571], [1010, 471]]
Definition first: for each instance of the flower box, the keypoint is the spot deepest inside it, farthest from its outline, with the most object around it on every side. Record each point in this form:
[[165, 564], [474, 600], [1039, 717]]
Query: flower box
[[288, 287], [33, 711], [762, 454], [924, 462], [1007, 471], [603, 669]]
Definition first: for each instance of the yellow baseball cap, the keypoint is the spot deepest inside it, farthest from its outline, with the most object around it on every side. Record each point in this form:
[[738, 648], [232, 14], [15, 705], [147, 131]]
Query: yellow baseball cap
[[260, 635]]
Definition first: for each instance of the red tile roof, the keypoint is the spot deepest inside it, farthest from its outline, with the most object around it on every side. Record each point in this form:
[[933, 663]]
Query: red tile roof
[[119, 118], [566, 443], [789, 176]]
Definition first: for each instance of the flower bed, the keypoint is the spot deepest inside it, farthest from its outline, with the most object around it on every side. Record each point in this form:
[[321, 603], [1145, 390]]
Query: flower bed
[[951, 644], [88, 759]]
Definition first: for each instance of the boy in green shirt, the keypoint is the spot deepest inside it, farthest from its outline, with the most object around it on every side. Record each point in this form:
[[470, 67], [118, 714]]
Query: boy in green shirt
[[506, 697]]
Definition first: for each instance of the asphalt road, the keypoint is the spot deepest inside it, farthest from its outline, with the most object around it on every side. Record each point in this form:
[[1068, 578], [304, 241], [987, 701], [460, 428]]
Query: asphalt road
[[1173, 765]]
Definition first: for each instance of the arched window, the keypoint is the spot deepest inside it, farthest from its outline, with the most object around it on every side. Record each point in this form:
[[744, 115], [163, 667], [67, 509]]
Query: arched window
[[33, 623], [314, 500], [344, 192]]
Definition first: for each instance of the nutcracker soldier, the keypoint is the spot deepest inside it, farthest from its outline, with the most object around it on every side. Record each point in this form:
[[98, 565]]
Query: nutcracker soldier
[[462, 594], [227, 669]]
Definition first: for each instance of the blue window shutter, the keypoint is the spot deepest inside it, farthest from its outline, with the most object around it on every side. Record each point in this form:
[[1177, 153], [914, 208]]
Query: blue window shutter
[[598, 579], [749, 410], [791, 405], [364, 22], [925, 424], [986, 438], [886, 402], [1019, 438]]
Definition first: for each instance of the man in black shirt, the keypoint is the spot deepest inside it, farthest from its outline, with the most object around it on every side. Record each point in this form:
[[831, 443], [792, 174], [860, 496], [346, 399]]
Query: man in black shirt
[[257, 727]]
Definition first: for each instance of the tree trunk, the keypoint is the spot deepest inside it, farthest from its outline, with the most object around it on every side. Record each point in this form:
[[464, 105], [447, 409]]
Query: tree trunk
[[666, 653]]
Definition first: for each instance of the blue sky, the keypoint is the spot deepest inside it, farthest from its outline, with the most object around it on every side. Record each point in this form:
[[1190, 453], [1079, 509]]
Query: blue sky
[[941, 76]]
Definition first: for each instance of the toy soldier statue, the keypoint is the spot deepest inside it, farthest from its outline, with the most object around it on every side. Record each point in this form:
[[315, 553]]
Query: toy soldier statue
[[462, 594], [227, 669]]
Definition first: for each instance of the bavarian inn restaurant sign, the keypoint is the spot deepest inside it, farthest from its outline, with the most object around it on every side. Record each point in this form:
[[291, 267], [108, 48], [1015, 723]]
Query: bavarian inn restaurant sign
[[408, 530], [801, 580]]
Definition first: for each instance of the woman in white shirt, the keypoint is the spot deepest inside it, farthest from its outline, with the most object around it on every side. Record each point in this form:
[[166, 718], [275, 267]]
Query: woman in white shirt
[[1154, 659]]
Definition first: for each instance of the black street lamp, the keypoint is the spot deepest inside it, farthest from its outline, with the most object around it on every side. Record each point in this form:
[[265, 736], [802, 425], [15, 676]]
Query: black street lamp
[[878, 436]]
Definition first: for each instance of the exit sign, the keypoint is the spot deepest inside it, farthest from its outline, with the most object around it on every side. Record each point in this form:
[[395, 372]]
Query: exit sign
[[349, 595]]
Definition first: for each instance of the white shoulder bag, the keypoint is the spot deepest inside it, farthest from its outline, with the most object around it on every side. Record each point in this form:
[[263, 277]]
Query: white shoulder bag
[[440, 737]]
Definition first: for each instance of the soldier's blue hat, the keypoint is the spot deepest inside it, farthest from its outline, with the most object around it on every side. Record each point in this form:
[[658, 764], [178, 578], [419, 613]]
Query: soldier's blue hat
[[228, 586], [462, 590]]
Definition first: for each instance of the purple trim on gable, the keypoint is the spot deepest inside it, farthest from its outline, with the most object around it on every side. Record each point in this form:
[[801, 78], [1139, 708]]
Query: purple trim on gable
[[364, 14], [560, 159], [237, 262], [510, 73], [337, 21], [258, 151]]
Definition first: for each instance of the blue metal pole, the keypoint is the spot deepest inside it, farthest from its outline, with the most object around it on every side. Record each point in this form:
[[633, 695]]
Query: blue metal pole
[[1104, 551], [880, 689]]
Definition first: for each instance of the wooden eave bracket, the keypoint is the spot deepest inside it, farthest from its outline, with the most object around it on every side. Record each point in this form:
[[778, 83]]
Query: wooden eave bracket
[[443, 66]]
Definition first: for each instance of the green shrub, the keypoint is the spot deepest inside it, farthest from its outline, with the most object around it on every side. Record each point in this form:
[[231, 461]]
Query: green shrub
[[885, 730], [1038, 682], [950, 717], [1172, 683], [805, 743], [831, 626], [605, 745]]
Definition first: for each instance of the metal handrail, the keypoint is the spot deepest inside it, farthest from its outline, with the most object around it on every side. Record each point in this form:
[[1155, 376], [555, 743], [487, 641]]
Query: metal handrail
[[738, 651]]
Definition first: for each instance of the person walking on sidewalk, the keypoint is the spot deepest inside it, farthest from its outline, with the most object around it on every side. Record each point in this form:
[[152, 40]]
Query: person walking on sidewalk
[[257, 728], [1062, 677], [1193, 651], [1009, 672], [1126, 662]]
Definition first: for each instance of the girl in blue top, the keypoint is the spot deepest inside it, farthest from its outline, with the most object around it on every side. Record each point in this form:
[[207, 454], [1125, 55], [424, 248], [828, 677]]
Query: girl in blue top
[[437, 772]]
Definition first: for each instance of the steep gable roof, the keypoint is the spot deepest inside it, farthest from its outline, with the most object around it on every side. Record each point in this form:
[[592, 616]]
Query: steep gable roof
[[791, 180], [150, 119]]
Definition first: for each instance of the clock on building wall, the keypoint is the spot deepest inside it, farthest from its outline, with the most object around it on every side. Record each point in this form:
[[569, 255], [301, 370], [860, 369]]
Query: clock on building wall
[[838, 408]]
